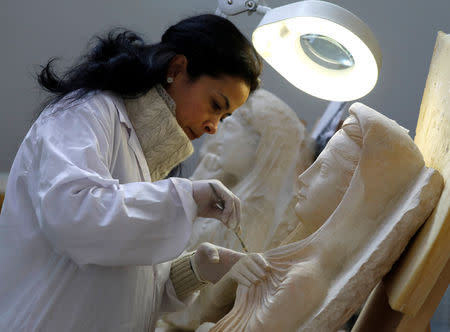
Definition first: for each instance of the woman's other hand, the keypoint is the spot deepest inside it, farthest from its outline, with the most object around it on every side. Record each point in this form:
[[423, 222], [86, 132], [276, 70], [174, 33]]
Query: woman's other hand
[[212, 262]]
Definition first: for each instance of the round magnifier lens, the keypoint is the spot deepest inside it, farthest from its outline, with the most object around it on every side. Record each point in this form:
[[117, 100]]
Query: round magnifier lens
[[326, 52]]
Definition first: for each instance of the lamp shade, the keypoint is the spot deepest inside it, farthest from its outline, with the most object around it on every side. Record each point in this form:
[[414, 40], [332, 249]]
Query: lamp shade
[[320, 48]]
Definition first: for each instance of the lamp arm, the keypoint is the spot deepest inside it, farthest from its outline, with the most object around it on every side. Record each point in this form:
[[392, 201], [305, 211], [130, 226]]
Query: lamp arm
[[227, 8]]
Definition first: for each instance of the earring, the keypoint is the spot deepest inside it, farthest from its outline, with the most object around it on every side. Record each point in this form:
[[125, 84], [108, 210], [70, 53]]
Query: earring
[[169, 79]]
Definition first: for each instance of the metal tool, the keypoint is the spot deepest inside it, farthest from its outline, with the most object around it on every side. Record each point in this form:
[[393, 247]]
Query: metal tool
[[220, 204]]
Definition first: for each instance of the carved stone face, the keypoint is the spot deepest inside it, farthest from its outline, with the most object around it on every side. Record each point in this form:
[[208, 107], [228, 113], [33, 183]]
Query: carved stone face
[[237, 147], [322, 186]]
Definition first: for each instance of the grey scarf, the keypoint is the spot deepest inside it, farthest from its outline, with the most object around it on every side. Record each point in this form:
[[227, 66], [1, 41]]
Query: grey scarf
[[163, 141]]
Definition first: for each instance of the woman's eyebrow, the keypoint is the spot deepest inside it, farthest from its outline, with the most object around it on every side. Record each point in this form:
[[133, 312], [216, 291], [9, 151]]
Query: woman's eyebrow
[[227, 101]]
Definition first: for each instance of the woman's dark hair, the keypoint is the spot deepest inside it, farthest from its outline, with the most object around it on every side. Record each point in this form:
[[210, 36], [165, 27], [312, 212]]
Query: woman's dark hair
[[123, 63]]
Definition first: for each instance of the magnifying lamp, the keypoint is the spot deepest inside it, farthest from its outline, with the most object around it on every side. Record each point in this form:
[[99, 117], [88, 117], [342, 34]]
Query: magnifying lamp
[[319, 47]]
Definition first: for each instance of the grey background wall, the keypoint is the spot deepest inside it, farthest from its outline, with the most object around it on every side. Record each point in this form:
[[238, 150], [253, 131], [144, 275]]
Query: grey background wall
[[34, 31]]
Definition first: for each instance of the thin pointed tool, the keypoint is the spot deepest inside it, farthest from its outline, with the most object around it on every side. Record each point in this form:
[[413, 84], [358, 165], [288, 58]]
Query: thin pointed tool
[[220, 204]]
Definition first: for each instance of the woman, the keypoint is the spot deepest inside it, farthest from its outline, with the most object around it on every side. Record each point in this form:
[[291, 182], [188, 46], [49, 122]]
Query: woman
[[364, 220], [89, 225]]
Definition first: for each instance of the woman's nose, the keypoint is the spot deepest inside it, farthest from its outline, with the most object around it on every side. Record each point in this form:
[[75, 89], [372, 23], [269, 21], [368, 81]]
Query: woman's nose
[[210, 127]]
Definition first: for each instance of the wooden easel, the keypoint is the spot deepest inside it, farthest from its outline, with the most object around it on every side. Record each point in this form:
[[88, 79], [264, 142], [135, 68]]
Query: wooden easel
[[409, 294]]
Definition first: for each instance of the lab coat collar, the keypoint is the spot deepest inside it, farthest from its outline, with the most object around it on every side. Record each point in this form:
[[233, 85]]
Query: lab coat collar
[[123, 117], [133, 141]]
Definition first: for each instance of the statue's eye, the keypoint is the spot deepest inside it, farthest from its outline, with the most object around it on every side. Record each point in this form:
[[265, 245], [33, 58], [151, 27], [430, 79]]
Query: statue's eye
[[324, 168]]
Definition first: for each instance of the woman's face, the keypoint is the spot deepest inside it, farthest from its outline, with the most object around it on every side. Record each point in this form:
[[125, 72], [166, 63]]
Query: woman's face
[[322, 186], [237, 147], [202, 103]]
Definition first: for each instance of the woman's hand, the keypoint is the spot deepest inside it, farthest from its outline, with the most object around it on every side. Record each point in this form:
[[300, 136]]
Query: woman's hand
[[250, 269], [212, 262], [214, 200]]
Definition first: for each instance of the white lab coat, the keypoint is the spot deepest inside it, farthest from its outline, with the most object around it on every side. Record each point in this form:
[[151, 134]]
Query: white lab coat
[[83, 231]]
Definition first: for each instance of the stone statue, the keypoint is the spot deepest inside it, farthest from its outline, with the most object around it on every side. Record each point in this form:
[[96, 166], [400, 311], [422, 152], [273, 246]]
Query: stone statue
[[361, 201], [257, 153]]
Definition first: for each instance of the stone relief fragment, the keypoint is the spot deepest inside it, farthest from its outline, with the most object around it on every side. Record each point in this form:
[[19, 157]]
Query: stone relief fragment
[[360, 202]]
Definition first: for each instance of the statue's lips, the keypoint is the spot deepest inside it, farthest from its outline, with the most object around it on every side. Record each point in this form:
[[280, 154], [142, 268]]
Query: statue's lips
[[300, 196]]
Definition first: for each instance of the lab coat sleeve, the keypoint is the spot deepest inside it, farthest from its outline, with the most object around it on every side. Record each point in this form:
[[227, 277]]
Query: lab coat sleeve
[[91, 217]]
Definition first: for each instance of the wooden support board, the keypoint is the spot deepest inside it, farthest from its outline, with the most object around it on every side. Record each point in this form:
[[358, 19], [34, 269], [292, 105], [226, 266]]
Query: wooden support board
[[415, 274]]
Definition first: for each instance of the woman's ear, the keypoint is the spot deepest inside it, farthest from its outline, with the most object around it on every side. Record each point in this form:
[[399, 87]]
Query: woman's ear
[[177, 66]]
